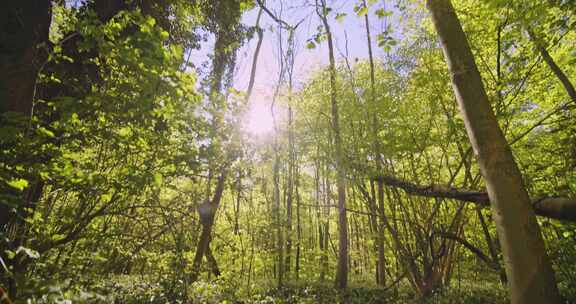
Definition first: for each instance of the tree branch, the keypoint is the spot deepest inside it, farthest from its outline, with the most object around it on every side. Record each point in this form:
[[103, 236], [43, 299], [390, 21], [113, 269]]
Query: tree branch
[[559, 208]]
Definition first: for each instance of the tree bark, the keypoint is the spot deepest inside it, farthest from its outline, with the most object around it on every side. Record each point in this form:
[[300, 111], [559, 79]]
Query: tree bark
[[530, 274]]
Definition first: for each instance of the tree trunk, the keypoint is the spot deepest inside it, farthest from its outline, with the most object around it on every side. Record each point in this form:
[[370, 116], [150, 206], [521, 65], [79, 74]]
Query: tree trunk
[[212, 262], [289, 190], [278, 218], [342, 266], [530, 275], [491, 248], [207, 211], [562, 77], [238, 199], [24, 27], [381, 264]]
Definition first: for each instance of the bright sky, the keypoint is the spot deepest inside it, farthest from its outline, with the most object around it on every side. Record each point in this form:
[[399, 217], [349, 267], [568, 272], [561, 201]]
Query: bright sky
[[258, 120]]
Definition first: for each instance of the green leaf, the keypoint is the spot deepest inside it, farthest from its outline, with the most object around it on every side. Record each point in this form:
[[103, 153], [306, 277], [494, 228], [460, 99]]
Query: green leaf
[[381, 13], [10, 254], [45, 132], [106, 197], [310, 45], [19, 184], [362, 11], [125, 132], [158, 179], [340, 17]]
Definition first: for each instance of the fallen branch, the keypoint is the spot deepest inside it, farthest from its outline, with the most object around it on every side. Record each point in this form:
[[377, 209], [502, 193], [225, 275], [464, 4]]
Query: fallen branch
[[559, 208]]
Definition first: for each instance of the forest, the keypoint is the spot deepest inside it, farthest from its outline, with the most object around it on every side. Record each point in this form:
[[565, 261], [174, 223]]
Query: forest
[[287, 151]]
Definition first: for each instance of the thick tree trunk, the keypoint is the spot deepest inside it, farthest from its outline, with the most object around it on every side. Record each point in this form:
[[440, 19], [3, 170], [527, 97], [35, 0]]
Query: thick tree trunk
[[24, 28], [530, 275]]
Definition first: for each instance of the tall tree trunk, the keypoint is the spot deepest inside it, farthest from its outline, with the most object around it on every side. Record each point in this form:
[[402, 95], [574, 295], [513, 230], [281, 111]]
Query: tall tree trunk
[[238, 199], [530, 275], [298, 226], [290, 189], [342, 266], [278, 218], [381, 264]]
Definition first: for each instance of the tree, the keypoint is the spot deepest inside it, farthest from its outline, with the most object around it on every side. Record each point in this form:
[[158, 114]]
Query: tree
[[527, 265], [342, 266]]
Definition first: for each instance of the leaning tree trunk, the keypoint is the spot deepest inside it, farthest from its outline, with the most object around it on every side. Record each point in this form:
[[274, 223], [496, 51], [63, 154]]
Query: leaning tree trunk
[[531, 278], [562, 77]]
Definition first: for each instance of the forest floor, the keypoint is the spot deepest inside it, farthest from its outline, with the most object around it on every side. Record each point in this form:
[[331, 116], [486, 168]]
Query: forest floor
[[461, 291]]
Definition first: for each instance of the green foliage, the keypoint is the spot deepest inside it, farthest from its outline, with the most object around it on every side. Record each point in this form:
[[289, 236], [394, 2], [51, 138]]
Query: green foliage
[[125, 144]]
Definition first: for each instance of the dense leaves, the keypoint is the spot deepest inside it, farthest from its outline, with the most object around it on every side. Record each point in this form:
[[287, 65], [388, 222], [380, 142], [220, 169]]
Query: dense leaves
[[110, 186]]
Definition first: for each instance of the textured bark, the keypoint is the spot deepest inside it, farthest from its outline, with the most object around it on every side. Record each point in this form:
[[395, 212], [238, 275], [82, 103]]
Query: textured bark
[[530, 274], [342, 266]]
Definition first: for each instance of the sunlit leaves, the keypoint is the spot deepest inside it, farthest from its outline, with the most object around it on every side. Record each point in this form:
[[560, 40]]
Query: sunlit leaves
[[18, 184], [340, 17], [360, 10], [385, 41], [381, 13]]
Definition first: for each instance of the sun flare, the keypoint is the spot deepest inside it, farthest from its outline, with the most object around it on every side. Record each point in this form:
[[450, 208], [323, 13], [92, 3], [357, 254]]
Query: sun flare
[[258, 119]]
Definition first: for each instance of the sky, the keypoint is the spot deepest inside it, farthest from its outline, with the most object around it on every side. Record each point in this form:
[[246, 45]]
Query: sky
[[258, 119]]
